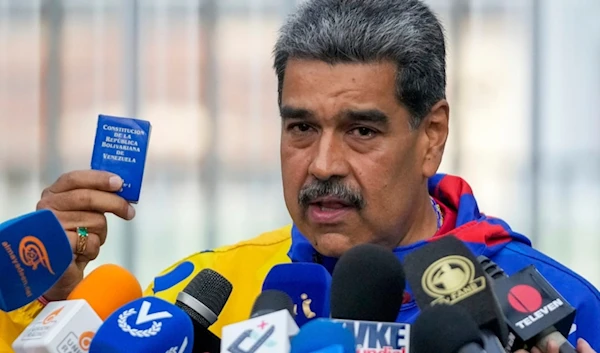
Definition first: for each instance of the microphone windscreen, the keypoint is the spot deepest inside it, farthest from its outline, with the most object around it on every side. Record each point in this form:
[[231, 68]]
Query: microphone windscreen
[[34, 254], [320, 334], [107, 288], [443, 329], [205, 296], [308, 285], [445, 271], [270, 301], [368, 284], [147, 324]]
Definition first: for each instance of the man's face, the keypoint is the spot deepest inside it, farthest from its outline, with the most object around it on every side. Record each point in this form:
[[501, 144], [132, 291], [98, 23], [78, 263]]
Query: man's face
[[353, 170]]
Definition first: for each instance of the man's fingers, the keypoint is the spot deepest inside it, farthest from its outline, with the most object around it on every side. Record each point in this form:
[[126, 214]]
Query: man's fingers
[[584, 347], [92, 247], [552, 347], [86, 179], [88, 200], [95, 222], [535, 350]]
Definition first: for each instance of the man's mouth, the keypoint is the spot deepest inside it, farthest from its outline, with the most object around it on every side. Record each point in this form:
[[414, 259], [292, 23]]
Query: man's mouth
[[330, 205], [328, 210]]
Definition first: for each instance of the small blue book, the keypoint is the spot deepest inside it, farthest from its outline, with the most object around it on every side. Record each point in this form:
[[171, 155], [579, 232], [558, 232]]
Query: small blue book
[[120, 147]]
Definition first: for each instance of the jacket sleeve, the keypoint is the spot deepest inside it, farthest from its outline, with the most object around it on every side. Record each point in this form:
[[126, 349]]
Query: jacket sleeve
[[14, 322]]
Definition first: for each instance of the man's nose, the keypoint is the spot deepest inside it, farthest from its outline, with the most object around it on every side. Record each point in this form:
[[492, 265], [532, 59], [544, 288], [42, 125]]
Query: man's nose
[[329, 158]]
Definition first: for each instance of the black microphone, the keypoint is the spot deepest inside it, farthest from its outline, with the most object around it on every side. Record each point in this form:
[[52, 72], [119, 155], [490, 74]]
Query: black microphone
[[445, 271], [446, 329], [203, 300], [367, 284], [270, 301], [367, 289], [533, 310]]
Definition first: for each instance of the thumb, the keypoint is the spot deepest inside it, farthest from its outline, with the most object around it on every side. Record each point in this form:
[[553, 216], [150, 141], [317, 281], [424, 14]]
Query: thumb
[[584, 347]]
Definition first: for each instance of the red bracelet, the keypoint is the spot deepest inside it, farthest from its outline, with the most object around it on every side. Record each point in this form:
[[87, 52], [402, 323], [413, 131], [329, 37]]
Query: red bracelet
[[43, 300]]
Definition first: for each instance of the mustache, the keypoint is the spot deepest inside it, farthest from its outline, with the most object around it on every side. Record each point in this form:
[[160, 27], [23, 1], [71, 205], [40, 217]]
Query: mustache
[[332, 187]]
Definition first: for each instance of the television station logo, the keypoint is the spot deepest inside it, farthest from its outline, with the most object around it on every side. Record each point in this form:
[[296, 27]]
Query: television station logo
[[74, 344], [306, 309], [143, 317], [252, 339], [451, 279], [527, 300], [181, 348], [31, 253]]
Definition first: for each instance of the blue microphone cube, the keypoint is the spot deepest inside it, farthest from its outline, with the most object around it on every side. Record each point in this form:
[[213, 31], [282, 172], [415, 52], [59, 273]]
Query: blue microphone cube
[[147, 324], [307, 284]]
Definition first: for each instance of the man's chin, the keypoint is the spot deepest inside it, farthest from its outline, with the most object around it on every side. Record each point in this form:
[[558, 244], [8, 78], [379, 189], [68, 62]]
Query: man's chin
[[332, 244]]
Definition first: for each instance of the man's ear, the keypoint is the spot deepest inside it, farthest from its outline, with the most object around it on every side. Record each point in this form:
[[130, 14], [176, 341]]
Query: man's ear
[[435, 133]]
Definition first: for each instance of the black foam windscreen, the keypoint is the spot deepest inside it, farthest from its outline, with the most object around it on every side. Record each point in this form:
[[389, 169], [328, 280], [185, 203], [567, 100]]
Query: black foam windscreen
[[209, 288], [443, 329], [367, 284], [270, 301], [445, 271]]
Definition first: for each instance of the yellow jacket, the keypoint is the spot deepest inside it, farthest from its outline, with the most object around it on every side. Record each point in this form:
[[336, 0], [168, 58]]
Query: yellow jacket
[[244, 264]]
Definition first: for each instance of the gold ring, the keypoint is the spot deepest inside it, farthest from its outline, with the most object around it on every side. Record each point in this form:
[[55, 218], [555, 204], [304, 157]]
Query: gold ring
[[82, 238]]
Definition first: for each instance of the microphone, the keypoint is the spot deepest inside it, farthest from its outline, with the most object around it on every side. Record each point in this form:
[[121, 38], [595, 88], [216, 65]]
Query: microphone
[[34, 254], [366, 295], [323, 336], [269, 332], [111, 281], [71, 323], [147, 324], [203, 300], [445, 271], [270, 301], [446, 329], [307, 284], [368, 283], [533, 310]]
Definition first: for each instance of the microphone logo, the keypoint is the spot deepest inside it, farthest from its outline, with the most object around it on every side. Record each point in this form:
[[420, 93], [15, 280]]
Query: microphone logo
[[528, 300], [50, 318], [142, 318], [18, 268], [33, 253], [451, 279], [85, 339], [179, 349], [260, 339], [524, 299], [306, 301], [378, 337]]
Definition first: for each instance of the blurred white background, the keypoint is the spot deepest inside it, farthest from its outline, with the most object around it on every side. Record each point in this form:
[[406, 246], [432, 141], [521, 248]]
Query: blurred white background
[[524, 87]]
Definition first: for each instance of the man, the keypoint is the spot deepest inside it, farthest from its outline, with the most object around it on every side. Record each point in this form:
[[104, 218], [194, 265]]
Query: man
[[364, 125]]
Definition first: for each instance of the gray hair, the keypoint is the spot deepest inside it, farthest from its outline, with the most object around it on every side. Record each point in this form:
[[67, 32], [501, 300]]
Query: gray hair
[[405, 32]]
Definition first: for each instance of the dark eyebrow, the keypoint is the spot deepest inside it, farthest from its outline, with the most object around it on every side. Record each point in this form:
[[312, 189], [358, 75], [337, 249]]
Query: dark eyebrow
[[370, 115], [288, 112]]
